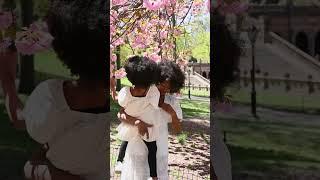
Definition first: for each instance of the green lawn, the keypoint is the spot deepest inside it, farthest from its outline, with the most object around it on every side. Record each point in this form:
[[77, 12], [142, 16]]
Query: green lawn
[[279, 101], [272, 147]]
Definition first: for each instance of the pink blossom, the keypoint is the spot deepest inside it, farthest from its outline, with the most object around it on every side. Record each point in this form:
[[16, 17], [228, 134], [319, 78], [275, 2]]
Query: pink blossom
[[112, 30], [32, 40], [118, 2], [113, 16], [170, 11], [156, 50], [155, 57], [118, 42], [121, 73], [177, 32], [163, 34], [113, 58], [6, 20], [139, 42], [152, 5]]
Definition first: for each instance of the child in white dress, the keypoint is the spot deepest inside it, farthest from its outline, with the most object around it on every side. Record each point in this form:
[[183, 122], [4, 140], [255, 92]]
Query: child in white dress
[[141, 101], [170, 80]]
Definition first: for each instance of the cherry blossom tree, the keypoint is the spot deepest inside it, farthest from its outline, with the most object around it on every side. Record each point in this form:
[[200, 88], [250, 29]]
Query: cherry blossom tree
[[16, 40], [151, 27]]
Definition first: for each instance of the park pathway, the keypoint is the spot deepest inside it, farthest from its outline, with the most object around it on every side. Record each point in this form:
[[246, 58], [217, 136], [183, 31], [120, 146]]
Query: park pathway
[[243, 112]]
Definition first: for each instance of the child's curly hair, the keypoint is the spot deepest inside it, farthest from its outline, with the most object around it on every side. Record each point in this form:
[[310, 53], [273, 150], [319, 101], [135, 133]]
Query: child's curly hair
[[168, 70], [141, 71]]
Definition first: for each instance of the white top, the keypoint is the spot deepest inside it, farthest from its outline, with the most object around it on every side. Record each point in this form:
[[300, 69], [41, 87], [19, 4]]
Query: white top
[[76, 140], [136, 159], [142, 108]]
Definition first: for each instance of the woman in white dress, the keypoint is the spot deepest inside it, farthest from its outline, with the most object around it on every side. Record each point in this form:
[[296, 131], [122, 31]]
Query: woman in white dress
[[171, 81], [226, 56], [70, 117], [141, 101]]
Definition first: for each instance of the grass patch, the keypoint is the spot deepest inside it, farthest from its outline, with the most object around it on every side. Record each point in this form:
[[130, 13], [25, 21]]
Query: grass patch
[[198, 109], [48, 63], [196, 92], [182, 138], [262, 146]]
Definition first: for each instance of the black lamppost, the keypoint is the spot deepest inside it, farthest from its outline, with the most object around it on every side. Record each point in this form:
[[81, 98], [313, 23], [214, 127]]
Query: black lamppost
[[253, 34], [189, 84]]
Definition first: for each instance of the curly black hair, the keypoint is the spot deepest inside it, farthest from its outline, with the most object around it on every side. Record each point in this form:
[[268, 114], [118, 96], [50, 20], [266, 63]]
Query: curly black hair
[[225, 54], [169, 70], [141, 71], [80, 36]]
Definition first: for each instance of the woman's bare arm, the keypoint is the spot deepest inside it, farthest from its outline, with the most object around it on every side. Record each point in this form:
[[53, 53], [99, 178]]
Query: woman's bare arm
[[124, 117]]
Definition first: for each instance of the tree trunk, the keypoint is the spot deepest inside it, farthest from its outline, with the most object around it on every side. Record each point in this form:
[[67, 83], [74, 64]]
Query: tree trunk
[[174, 39], [27, 62]]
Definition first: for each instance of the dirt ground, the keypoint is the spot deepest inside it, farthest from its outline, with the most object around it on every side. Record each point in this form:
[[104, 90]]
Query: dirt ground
[[190, 157]]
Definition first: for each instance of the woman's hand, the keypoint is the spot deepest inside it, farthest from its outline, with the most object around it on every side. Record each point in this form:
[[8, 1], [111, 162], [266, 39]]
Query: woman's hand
[[143, 128]]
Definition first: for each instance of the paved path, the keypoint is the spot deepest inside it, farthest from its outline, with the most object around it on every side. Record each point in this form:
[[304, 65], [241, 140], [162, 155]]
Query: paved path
[[243, 112], [196, 98]]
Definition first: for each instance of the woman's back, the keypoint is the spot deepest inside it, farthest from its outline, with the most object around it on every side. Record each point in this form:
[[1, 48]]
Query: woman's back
[[76, 138]]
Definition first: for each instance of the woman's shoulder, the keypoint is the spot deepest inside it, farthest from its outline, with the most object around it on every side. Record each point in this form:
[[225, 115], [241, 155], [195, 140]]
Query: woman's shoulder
[[153, 91], [46, 94], [153, 96], [48, 85]]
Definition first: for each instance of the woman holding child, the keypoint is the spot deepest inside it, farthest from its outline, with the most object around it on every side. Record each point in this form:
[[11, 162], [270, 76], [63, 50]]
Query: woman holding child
[[136, 153]]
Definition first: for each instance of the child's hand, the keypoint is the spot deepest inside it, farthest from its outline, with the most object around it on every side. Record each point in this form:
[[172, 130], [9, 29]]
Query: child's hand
[[143, 128]]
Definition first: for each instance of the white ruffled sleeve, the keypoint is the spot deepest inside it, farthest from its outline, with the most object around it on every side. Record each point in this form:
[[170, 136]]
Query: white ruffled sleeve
[[175, 104], [154, 96], [38, 108], [123, 96]]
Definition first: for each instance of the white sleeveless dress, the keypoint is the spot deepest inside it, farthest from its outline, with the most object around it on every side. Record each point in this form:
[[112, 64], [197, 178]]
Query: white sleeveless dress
[[77, 140]]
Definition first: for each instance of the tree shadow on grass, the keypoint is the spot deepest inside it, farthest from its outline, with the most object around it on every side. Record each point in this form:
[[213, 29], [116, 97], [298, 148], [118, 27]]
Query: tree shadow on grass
[[264, 161]]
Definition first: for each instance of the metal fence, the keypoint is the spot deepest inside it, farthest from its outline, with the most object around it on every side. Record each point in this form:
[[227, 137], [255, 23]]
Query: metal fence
[[175, 173]]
